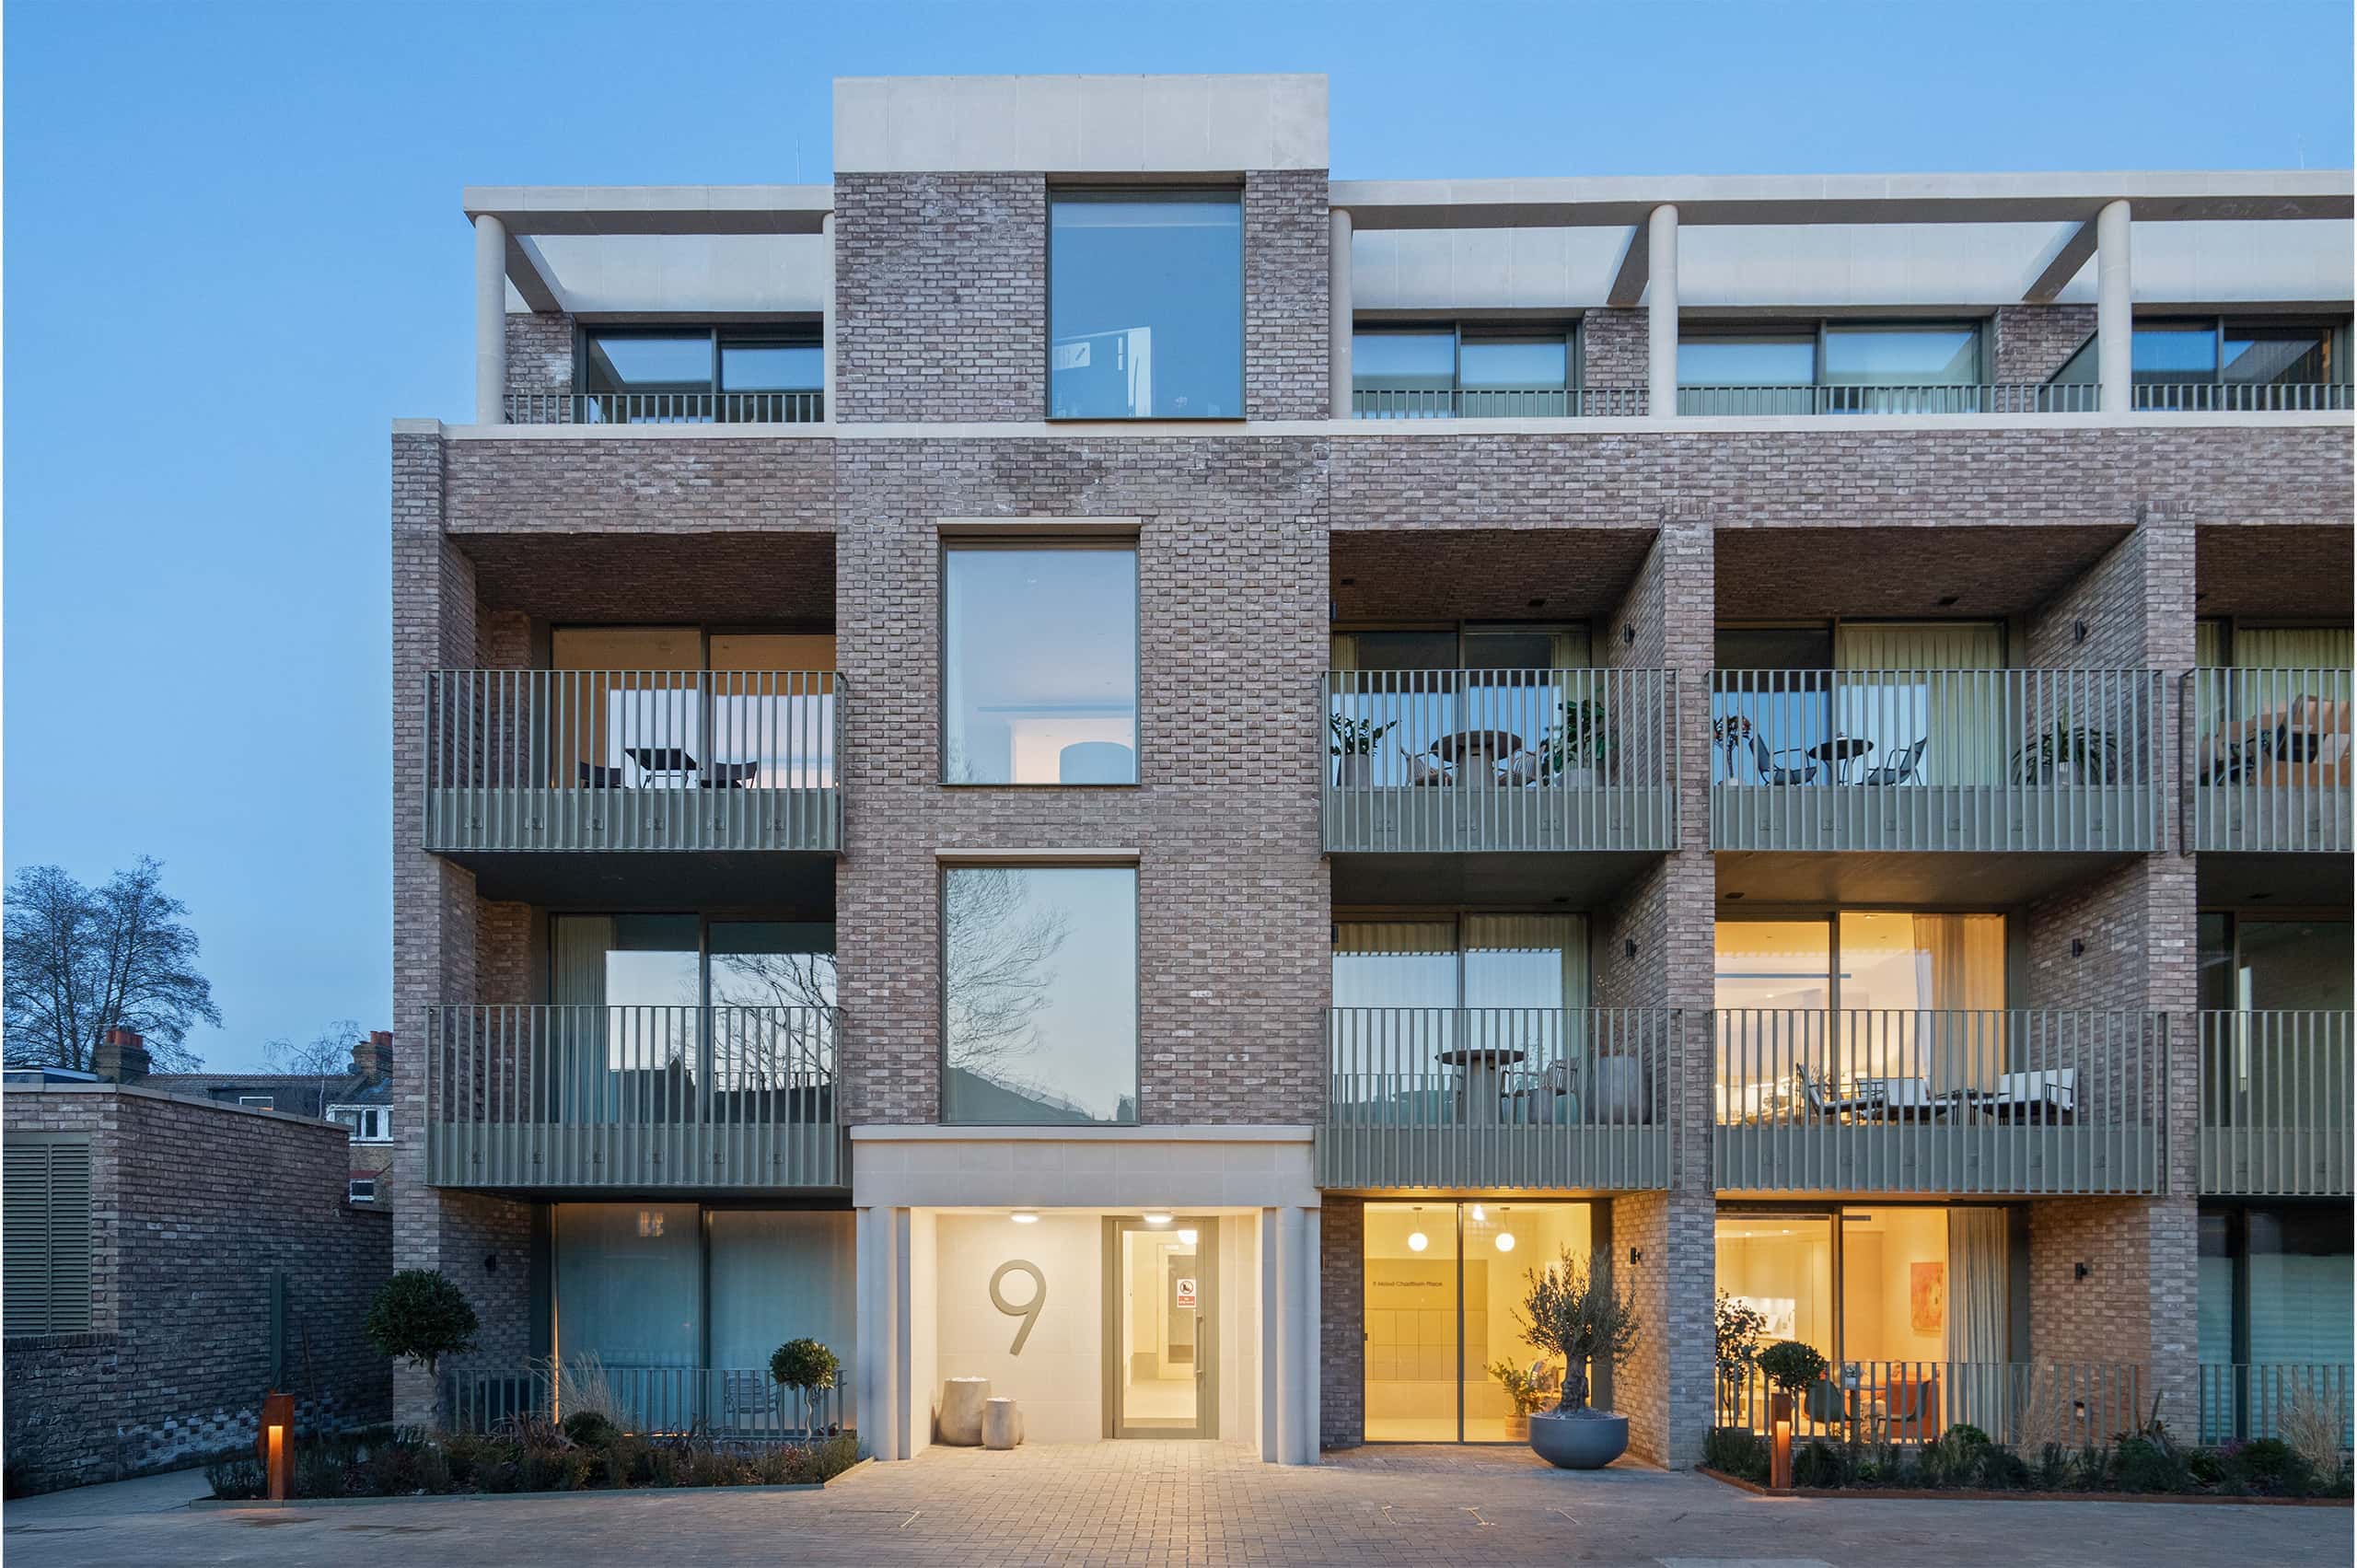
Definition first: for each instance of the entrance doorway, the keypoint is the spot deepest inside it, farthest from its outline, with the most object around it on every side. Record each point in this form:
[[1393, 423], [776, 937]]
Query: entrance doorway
[[1161, 1327]]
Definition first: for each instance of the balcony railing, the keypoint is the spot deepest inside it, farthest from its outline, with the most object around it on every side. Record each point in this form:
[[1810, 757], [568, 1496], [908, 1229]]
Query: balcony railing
[[1449, 760], [2023, 1404], [2015, 1101], [1472, 402], [2269, 757], [1497, 1098], [2275, 1104], [666, 408], [1935, 398], [1980, 759], [732, 1404], [2241, 396], [645, 1099], [632, 760], [2240, 1403]]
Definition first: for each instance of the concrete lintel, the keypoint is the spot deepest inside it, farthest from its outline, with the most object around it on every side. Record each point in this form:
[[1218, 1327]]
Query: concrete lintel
[[1629, 279], [653, 209], [2073, 255], [1573, 203], [529, 271]]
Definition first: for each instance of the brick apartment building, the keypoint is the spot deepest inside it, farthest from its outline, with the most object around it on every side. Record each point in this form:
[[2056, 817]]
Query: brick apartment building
[[1090, 757]]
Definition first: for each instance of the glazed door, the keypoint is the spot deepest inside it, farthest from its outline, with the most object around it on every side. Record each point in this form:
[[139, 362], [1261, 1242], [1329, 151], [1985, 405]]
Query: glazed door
[[1161, 1334]]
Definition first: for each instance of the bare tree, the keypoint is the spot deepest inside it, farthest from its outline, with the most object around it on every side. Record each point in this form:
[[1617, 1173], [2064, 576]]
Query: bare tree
[[326, 1056], [81, 960]]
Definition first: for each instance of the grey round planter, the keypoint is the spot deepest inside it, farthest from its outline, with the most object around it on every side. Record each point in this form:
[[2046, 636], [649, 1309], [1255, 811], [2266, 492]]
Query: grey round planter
[[1588, 1441]]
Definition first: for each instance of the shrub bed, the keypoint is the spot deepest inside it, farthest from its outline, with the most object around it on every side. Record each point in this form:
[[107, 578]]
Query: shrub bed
[[586, 1455], [1964, 1459]]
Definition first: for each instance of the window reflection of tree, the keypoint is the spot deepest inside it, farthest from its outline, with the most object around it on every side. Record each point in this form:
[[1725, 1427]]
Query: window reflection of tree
[[997, 958]]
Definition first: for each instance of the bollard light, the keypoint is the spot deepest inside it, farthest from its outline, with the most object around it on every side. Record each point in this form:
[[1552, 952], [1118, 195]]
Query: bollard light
[[276, 1442], [1779, 1443]]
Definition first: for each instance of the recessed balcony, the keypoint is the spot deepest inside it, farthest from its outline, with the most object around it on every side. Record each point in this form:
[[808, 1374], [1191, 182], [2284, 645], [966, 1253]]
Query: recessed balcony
[[2269, 759], [637, 1099], [1497, 1098], [2017, 1101], [574, 760], [1988, 760], [2275, 1104]]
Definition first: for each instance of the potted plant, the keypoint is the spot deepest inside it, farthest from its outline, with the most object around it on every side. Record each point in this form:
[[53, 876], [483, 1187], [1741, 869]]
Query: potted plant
[[1528, 1389], [2067, 754], [1576, 745], [805, 1367], [1353, 747], [1791, 1368], [1571, 1310], [1731, 733], [1736, 1331]]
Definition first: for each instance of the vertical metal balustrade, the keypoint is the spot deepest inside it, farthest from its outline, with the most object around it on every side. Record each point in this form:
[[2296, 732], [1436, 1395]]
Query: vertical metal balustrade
[[2275, 1104], [666, 408], [2269, 758]]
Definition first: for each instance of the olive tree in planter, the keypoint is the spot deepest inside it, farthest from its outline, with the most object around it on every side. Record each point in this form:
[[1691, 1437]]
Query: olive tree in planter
[[805, 1367], [1572, 1310], [1736, 1331]]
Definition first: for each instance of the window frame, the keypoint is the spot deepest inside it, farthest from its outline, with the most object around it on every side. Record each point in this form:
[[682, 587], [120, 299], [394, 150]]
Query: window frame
[[351, 1186], [1181, 190], [2334, 331], [363, 1116], [257, 1102], [705, 920], [1817, 328], [1768, 914], [1483, 330], [943, 867], [1101, 537], [779, 334]]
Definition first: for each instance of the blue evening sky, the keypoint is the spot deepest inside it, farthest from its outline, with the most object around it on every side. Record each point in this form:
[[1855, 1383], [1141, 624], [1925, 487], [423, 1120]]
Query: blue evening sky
[[234, 253]]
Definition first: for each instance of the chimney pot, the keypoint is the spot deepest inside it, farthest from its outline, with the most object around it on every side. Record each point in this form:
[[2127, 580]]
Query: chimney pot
[[121, 1057]]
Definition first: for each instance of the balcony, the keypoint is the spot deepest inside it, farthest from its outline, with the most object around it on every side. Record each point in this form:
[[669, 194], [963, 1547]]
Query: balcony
[[2242, 1401], [2275, 1104], [2016, 1102], [666, 408], [1992, 761], [734, 1404], [1474, 403], [574, 759], [1466, 761], [2026, 1404], [1747, 401], [641, 1100], [2269, 757], [1497, 1098]]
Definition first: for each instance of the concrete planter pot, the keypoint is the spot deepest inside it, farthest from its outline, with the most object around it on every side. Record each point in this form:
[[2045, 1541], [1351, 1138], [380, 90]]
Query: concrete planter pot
[[1621, 1091], [1587, 1441], [1353, 769]]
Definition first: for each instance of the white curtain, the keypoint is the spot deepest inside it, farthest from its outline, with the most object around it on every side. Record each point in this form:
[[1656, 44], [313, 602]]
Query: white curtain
[[1572, 649], [1343, 651], [629, 1286], [1955, 716], [1960, 969], [578, 947], [1980, 1253], [1395, 963]]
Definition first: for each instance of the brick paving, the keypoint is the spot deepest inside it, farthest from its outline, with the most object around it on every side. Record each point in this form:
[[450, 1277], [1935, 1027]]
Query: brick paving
[[1201, 1503]]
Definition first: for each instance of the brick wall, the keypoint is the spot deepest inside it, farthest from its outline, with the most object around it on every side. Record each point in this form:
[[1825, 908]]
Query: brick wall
[[1234, 901], [2028, 343], [2137, 1304], [1341, 1305], [941, 296], [1665, 1389], [540, 352], [179, 1355], [1285, 244], [1614, 347]]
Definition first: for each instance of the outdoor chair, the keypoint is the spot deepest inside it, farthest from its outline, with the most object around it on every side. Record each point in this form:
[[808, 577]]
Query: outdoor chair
[[1820, 1103], [1901, 772], [1523, 770], [1773, 773], [2047, 1094], [1542, 1098], [1912, 1410], [1424, 769], [1903, 1099]]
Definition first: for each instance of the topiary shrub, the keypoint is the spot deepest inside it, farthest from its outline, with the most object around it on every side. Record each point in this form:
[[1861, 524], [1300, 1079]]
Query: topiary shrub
[[591, 1429], [420, 1316], [1792, 1366]]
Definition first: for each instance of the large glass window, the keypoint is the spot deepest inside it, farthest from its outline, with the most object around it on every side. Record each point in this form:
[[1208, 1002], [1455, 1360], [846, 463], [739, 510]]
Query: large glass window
[[1902, 705], [1442, 1284], [673, 707], [2222, 352], [2274, 1312], [1039, 991], [1903, 355], [628, 1284], [701, 376], [1039, 667], [2268, 964], [1145, 305], [1431, 373], [1831, 367]]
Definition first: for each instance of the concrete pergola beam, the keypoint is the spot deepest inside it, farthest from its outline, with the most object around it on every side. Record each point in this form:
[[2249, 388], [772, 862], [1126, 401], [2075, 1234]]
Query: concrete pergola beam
[[2076, 253], [526, 210], [1625, 202], [1628, 278]]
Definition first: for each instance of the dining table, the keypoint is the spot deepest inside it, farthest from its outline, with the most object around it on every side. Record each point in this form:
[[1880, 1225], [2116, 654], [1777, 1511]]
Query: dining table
[[1840, 754], [1484, 1087], [1480, 750]]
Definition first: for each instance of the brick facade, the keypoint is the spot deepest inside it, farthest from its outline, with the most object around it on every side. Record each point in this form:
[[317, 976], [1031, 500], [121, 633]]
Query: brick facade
[[1615, 348], [1341, 1306], [2028, 343], [1285, 242], [178, 1355]]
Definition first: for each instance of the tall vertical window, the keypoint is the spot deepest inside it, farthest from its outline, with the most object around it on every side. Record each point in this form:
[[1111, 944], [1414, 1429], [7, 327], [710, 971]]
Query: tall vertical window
[[1040, 969], [1145, 305], [1040, 679]]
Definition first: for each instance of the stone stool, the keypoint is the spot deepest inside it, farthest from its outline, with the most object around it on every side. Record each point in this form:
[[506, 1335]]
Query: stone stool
[[1002, 1423], [961, 1410]]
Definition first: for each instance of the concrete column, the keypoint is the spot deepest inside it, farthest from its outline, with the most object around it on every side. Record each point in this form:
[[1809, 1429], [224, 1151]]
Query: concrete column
[[2115, 309], [1338, 308], [827, 316], [1294, 1337], [491, 320], [1661, 313], [881, 1395]]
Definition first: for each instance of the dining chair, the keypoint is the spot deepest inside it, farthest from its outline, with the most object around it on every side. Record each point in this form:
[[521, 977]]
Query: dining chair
[[1772, 773], [1422, 768], [1901, 772]]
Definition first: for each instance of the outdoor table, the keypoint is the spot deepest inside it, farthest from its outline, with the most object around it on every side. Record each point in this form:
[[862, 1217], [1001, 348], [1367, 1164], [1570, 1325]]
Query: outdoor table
[[1490, 747], [1484, 1068], [663, 767], [1840, 752]]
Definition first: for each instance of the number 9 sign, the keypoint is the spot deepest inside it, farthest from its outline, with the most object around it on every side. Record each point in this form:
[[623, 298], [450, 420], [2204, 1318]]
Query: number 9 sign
[[1029, 1310]]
